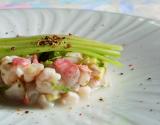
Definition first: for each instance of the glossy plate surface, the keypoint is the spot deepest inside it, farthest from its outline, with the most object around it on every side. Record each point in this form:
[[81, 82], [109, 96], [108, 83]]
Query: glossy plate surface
[[132, 98]]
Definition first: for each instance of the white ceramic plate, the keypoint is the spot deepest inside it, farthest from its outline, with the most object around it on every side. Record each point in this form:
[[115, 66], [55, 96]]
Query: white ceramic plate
[[131, 99]]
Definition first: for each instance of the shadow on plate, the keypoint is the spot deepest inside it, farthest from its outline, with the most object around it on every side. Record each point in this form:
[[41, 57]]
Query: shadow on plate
[[10, 104]]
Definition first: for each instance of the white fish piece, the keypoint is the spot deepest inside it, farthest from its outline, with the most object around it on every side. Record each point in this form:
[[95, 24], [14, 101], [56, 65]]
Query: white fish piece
[[45, 79], [84, 92], [16, 91], [19, 72], [12, 67], [69, 71], [85, 75], [8, 59], [32, 71], [44, 87], [8, 74], [74, 57], [32, 93], [43, 102], [70, 98], [48, 75]]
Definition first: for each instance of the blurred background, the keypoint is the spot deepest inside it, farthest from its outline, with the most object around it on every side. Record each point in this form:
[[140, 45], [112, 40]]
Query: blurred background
[[145, 8]]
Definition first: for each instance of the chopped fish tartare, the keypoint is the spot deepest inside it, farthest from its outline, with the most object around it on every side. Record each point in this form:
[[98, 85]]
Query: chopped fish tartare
[[60, 69]]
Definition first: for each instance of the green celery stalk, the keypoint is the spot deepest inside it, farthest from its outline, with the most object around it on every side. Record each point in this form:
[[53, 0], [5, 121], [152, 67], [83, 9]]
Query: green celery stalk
[[28, 45], [86, 41]]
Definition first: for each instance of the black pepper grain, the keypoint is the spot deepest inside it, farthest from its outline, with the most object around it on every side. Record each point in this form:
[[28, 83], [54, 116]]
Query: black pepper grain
[[70, 34], [88, 105], [68, 46], [13, 48], [46, 37], [26, 112], [50, 40], [149, 78], [121, 73], [101, 99], [130, 65], [19, 85]]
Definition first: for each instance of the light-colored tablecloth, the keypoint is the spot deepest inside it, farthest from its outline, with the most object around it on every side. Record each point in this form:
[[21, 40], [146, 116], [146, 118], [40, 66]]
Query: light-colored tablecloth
[[145, 8]]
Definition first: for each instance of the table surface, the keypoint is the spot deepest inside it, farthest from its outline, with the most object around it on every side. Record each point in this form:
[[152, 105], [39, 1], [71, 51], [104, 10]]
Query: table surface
[[145, 8]]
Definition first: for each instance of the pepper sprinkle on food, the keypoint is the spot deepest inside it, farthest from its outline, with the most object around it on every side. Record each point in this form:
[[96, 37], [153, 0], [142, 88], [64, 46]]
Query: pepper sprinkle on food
[[13, 48], [50, 40]]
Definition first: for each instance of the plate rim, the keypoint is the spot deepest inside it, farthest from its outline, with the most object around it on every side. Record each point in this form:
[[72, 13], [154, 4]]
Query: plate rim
[[88, 10]]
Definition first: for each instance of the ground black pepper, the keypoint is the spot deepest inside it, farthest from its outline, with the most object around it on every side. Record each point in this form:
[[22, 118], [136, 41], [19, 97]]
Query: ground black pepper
[[70, 34], [68, 46], [88, 105], [130, 65], [149, 78], [13, 48], [26, 112], [19, 85], [121, 73], [50, 40], [101, 99]]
